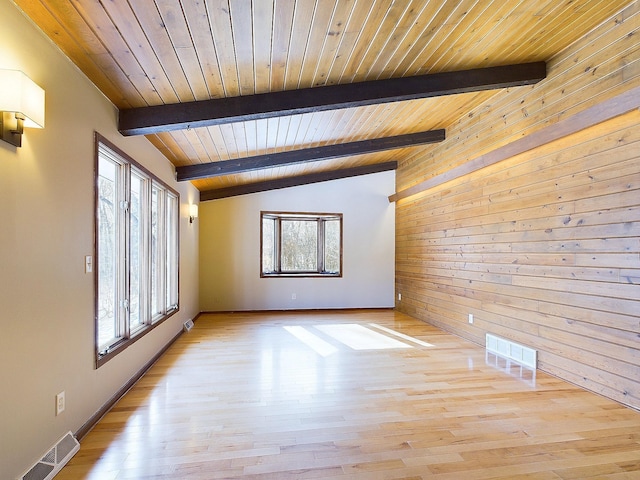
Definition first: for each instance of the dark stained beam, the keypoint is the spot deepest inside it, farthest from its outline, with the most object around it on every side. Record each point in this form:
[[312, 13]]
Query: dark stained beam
[[296, 181], [179, 116], [229, 167]]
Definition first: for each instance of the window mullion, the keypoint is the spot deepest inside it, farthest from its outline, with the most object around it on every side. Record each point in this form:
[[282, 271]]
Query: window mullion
[[158, 242], [320, 226], [124, 255], [145, 249], [172, 251], [277, 245], [162, 253]]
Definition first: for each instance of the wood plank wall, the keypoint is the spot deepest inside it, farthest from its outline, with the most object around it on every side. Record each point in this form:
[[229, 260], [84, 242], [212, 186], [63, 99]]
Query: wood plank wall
[[542, 248]]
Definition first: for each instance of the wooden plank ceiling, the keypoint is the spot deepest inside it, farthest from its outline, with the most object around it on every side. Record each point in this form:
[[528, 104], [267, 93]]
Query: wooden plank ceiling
[[143, 53]]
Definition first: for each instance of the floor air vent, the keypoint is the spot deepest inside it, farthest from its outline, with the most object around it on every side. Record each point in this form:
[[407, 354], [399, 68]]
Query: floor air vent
[[506, 348], [53, 461]]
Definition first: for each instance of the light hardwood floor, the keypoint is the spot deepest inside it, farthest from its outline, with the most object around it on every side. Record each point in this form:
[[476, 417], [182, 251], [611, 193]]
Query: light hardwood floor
[[241, 396]]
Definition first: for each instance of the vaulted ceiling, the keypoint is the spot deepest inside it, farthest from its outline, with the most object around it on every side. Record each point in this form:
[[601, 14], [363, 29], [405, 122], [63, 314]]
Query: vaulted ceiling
[[214, 72]]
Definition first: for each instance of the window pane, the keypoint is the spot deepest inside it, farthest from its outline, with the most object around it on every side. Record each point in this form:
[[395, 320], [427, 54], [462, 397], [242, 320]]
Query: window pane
[[136, 253], [156, 254], [172, 251], [332, 246], [268, 245], [107, 224], [299, 244]]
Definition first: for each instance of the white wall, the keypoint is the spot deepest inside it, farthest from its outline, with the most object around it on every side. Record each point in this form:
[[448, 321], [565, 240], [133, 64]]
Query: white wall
[[46, 229], [230, 243]]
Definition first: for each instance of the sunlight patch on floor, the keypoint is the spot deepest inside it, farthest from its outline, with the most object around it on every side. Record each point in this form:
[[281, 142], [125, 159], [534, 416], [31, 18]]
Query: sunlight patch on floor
[[358, 337], [400, 335], [313, 341]]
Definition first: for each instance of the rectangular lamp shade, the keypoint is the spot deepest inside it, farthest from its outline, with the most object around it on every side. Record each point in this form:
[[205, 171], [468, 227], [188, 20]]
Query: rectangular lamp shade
[[19, 94], [193, 210]]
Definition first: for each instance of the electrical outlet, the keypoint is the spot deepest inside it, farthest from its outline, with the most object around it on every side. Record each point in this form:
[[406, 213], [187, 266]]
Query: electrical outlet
[[60, 403], [471, 318], [88, 264], [399, 297], [293, 296]]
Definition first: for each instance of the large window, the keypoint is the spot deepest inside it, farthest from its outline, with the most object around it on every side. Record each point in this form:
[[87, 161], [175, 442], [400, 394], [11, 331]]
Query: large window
[[301, 244], [136, 250]]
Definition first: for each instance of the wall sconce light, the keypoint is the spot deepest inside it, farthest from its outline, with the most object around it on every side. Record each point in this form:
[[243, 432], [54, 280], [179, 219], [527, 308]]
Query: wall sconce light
[[21, 105], [193, 212]]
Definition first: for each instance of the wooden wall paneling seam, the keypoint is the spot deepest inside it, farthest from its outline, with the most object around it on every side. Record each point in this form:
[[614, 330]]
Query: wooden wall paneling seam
[[581, 305], [114, 80], [619, 105], [468, 19], [320, 31], [303, 17], [194, 144], [251, 136], [262, 22], [416, 34], [563, 82], [90, 56], [167, 145], [282, 30], [222, 35], [591, 13], [579, 365], [459, 144], [165, 25], [555, 83], [612, 322], [322, 124], [621, 371], [590, 49], [211, 153], [368, 36], [578, 374], [497, 222], [405, 32], [356, 26], [572, 23], [395, 14], [240, 14], [487, 33], [122, 26], [334, 36], [532, 220], [573, 324], [444, 19], [183, 148], [198, 26], [517, 40], [516, 178]]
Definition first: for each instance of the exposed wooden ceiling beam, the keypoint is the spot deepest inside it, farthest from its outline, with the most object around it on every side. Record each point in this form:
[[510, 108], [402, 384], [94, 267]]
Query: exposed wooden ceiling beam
[[229, 167], [296, 181], [178, 116]]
